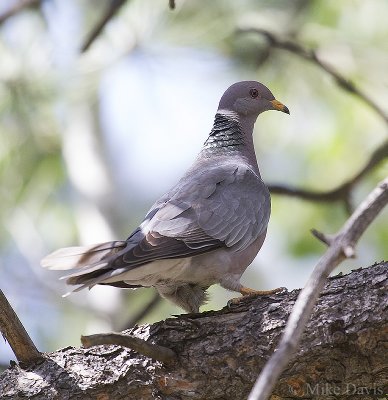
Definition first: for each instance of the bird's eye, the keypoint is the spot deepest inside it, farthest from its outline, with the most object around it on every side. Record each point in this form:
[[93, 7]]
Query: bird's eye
[[254, 93]]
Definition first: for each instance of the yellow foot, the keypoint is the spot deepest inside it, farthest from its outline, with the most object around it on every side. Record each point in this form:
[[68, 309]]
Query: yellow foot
[[249, 293], [245, 291]]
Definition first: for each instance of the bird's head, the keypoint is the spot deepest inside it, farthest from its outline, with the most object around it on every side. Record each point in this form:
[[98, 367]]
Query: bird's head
[[250, 98]]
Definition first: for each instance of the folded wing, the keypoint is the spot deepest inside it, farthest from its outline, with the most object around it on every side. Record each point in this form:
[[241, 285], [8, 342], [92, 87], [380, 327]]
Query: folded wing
[[225, 206]]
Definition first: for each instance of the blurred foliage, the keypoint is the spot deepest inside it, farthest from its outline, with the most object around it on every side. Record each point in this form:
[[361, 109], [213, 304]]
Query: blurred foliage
[[59, 183]]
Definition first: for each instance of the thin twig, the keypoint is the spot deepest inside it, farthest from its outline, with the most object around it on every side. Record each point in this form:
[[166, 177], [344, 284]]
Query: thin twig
[[311, 55], [113, 7], [15, 334], [171, 4], [342, 192], [160, 353], [23, 4], [143, 312], [326, 239], [342, 246]]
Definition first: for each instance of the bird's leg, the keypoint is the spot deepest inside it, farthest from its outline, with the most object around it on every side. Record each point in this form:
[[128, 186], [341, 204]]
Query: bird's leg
[[188, 296], [248, 292]]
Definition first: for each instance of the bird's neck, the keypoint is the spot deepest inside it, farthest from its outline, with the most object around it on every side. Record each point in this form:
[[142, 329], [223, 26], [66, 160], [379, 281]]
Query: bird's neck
[[231, 135]]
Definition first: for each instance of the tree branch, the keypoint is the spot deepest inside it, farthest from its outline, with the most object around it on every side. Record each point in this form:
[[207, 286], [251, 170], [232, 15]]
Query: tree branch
[[311, 56], [326, 239], [112, 9], [219, 353], [341, 247], [171, 4], [153, 351], [15, 334], [342, 192]]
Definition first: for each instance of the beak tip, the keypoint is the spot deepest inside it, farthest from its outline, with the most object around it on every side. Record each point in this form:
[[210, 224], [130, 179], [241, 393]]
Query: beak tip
[[277, 105]]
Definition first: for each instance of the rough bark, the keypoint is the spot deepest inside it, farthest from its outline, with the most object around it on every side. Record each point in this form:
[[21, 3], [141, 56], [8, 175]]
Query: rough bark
[[343, 353]]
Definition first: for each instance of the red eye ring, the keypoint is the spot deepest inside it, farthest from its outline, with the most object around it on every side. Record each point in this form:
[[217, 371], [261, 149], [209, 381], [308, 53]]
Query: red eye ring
[[254, 93]]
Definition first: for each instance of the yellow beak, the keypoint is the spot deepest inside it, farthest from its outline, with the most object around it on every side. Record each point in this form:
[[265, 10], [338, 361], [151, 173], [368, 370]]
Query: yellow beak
[[277, 105]]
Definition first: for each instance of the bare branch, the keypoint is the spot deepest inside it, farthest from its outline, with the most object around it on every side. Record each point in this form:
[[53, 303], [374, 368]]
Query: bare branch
[[341, 192], [113, 7], [154, 351], [171, 4], [342, 246], [23, 4], [15, 334], [326, 239], [311, 55]]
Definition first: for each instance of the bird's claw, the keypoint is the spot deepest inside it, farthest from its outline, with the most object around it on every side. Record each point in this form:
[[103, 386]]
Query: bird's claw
[[250, 294]]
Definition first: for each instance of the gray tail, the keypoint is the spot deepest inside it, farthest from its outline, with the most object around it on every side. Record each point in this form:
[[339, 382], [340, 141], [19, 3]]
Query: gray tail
[[89, 262]]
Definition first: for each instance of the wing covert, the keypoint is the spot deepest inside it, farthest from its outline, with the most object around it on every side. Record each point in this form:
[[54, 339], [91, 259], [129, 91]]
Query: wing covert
[[224, 206]]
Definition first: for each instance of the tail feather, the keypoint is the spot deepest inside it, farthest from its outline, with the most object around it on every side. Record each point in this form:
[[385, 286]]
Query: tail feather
[[90, 265], [92, 269], [93, 276], [89, 279], [79, 257]]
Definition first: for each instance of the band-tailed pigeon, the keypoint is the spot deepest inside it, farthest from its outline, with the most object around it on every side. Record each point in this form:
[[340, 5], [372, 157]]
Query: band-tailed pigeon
[[207, 229]]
